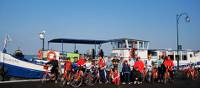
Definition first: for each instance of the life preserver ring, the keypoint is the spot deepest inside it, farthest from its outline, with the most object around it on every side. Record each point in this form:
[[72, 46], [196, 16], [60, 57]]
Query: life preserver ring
[[40, 54], [51, 55]]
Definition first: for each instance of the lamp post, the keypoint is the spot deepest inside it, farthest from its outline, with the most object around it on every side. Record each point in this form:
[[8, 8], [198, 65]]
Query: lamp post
[[179, 47], [42, 37]]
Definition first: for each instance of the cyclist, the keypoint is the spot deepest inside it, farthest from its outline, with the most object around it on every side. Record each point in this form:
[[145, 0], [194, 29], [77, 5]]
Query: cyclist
[[67, 69], [149, 65], [81, 64], [116, 76], [159, 63], [102, 71], [131, 63], [54, 69], [74, 65], [169, 66], [138, 70], [109, 67], [88, 65], [126, 70]]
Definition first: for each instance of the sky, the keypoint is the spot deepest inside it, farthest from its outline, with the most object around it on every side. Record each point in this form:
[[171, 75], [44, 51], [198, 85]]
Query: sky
[[151, 20]]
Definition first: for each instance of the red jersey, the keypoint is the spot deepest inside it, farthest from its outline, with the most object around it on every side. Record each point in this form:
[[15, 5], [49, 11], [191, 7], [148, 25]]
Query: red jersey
[[81, 61], [68, 66], [115, 74], [116, 77], [139, 65], [168, 63], [102, 63]]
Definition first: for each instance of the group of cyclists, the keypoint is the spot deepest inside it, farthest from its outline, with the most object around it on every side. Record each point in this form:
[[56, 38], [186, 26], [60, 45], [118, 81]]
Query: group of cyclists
[[114, 70], [136, 70]]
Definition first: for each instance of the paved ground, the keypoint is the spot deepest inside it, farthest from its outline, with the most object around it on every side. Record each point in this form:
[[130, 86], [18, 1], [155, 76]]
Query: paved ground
[[178, 83]]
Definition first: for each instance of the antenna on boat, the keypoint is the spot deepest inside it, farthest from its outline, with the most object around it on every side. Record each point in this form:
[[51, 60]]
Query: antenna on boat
[[6, 41]]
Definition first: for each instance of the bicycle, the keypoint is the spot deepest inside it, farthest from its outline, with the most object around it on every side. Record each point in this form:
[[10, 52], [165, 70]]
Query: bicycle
[[77, 79], [154, 74], [66, 79], [192, 73], [91, 77], [148, 75], [48, 76], [166, 76], [144, 73]]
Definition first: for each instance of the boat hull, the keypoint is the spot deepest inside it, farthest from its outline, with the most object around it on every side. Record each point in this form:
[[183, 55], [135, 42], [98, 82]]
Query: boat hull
[[18, 68], [22, 72]]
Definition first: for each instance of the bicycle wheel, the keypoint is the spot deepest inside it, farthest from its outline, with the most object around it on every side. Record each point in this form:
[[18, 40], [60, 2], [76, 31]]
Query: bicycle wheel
[[166, 77], [76, 82], [63, 83], [149, 75], [92, 81], [45, 78]]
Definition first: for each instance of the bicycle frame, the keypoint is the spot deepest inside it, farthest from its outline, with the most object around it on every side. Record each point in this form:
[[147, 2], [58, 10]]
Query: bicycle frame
[[47, 75], [166, 76]]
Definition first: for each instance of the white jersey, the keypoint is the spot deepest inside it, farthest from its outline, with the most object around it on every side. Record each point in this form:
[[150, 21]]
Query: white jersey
[[131, 63], [88, 65], [149, 64]]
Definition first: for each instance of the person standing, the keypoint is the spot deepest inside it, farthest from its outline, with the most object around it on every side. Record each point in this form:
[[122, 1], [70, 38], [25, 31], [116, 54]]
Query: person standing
[[67, 69], [169, 66], [109, 64], [119, 66], [109, 67], [149, 65], [102, 66], [131, 62], [126, 70], [54, 69], [88, 65], [139, 68], [159, 64]]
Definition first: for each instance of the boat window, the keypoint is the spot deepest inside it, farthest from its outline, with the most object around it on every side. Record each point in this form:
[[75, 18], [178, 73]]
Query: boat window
[[153, 53], [135, 44], [184, 57], [177, 56], [140, 45], [132, 44], [121, 45], [114, 45], [171, 57], [190, 55], [145, 45]]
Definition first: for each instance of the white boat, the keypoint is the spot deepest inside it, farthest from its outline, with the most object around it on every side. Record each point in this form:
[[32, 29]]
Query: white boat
[[122, 49], [187, 57]]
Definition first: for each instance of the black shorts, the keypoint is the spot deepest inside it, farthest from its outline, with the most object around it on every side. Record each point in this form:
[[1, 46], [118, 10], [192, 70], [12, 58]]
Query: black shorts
[[54, 71]]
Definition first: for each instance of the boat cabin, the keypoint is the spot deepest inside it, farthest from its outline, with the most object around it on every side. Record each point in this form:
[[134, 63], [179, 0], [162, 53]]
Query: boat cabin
[[122, 47]]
